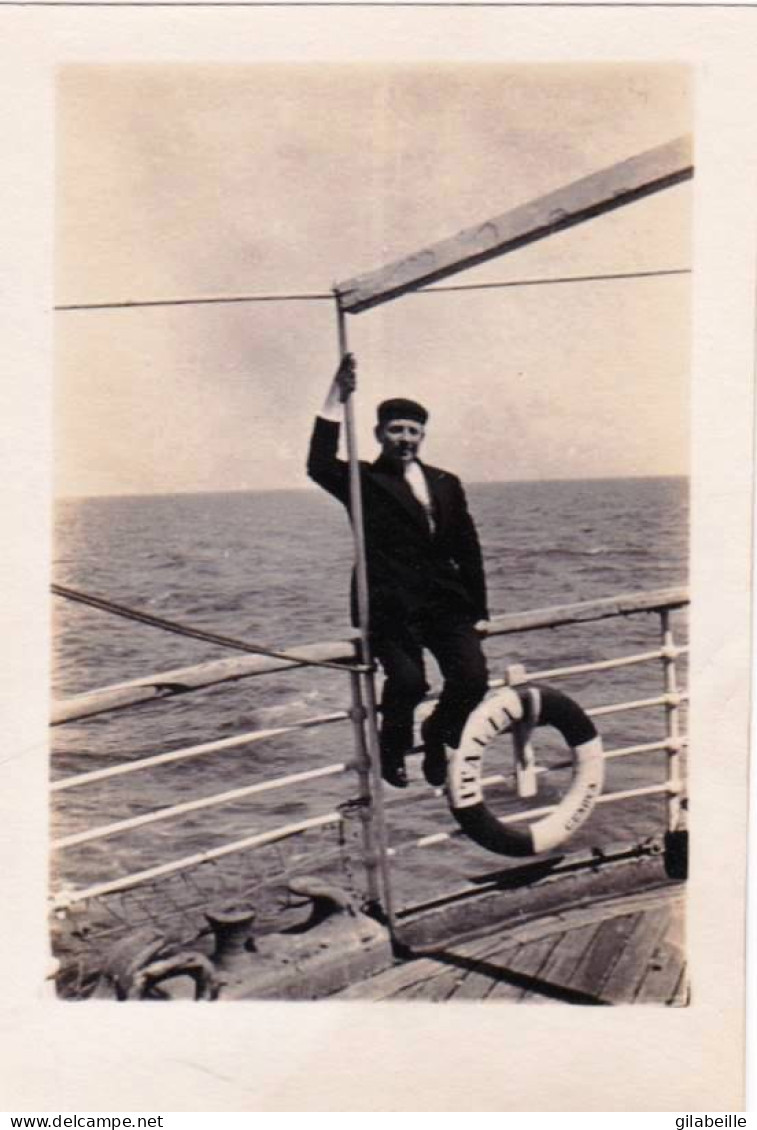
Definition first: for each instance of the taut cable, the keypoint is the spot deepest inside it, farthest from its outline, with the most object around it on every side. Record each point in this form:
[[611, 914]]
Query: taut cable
[[140, 617]]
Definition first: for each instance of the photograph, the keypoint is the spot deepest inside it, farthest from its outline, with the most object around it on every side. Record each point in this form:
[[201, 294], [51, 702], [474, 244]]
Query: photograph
[[371, 442]]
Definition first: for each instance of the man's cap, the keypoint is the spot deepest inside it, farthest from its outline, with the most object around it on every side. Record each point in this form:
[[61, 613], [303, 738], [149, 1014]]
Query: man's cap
[[401, 409]]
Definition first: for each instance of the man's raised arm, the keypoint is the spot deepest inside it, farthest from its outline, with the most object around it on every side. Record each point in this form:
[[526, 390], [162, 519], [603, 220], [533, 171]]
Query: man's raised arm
[[323, 466]]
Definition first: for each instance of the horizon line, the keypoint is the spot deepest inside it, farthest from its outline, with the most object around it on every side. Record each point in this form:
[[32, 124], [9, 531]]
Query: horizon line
[[312, 487]]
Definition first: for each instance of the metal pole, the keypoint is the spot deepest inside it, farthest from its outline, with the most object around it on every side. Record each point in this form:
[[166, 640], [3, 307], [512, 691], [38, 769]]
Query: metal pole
[[363, 769], [364, 684], [672, 722]]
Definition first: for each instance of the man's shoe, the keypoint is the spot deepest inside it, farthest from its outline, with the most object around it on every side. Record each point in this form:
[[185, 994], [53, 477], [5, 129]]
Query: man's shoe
[[435, 756], [393, 770]]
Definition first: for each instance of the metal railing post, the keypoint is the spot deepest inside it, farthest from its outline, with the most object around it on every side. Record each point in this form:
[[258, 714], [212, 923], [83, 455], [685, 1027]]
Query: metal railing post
[[363, 769], [365, 687], [672, 722]]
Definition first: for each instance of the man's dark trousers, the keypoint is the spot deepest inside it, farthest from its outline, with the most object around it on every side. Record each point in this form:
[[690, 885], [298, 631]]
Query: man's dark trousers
[[456, 647]]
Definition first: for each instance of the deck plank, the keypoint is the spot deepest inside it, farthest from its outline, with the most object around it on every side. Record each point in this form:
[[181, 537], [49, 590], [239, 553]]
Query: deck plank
[[681, 997], [448, 967], [527, 962], [662, 978], [622, 984], [390, 981], [561, 964], [603, 952], [473, 966], [666, 968], [452, 982], [477, 980], [437, 988]]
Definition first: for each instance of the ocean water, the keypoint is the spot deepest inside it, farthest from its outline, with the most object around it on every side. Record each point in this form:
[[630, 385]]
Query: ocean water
[[274, 568]]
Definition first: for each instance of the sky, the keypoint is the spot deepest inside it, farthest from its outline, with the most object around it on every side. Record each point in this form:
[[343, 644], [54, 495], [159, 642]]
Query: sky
[[180, 181]]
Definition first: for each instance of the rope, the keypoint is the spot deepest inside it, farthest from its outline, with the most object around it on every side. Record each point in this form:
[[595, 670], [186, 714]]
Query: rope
[[179, 629], [209, 301], [236, 298], [557, 281]]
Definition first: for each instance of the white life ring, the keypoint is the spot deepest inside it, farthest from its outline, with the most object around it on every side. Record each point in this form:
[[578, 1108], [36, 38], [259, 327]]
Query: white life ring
[[543, 706]]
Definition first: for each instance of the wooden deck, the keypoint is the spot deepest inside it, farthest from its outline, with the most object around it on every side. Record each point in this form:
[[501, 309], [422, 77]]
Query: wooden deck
[[626, 951]]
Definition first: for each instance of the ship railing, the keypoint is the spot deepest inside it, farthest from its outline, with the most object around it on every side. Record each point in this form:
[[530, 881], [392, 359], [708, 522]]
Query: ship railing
[[671, 699]]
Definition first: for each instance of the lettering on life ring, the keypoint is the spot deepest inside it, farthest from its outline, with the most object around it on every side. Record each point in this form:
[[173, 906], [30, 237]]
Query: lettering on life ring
[[538, 705]]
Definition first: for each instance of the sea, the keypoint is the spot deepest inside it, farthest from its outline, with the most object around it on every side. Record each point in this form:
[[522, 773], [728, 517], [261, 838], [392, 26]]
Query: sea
[[273, 568]]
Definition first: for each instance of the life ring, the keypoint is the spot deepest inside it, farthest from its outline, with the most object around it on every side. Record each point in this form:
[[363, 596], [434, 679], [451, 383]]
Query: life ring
[[533, 705]]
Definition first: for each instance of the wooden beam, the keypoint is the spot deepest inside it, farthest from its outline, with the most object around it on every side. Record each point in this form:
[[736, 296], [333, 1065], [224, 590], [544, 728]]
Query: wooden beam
[[587, 611], [182, 680], [581, 200]]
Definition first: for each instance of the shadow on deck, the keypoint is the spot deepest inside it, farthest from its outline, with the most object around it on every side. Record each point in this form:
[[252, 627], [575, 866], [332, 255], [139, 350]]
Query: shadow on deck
[[626, 951]]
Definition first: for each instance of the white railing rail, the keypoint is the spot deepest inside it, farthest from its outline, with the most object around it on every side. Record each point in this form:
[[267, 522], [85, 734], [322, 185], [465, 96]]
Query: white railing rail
[[661, 602]]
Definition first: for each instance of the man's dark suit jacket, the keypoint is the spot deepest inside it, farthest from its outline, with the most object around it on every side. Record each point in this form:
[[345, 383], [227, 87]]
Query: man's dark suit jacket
[[409, 568]]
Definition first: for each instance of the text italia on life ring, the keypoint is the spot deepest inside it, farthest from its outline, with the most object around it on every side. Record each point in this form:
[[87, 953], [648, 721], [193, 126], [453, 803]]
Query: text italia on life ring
[[540, 705]]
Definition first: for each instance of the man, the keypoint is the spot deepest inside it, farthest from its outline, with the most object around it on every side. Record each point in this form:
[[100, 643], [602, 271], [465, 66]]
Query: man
[[426, 584]]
